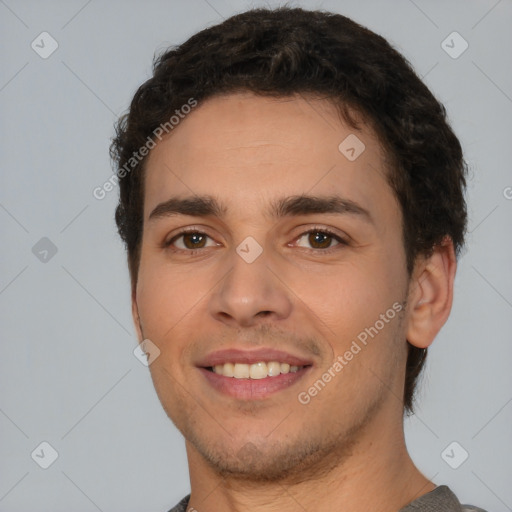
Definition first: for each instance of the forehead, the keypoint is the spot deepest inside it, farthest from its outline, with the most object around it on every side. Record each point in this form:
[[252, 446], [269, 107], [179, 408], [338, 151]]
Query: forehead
[[247, 149]]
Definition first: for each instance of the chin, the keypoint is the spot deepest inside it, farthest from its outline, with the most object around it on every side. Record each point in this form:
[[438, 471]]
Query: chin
[[263, 460]]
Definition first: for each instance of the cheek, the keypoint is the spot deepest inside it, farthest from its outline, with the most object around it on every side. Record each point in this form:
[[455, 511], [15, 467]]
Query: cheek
[[349, 297], [356, 311], [165, 295], [347, 302], [166, 298]]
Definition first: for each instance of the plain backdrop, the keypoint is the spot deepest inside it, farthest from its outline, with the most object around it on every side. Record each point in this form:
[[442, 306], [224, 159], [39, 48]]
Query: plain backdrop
[[68, 376]]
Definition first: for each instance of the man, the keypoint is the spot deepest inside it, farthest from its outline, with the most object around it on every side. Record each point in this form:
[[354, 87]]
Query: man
[[291, 199]]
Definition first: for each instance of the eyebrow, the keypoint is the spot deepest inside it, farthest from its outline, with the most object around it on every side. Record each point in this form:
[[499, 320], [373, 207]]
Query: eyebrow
[[205, 206]]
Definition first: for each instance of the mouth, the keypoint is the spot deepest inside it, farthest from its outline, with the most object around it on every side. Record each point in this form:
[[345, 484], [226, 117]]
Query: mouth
[[253, 375], [255, 371]]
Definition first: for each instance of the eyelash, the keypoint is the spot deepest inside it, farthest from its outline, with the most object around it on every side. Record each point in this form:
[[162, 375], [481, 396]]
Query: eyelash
[[341, 241]]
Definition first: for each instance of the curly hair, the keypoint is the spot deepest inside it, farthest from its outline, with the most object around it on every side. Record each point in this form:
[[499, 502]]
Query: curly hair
[[286, 51]]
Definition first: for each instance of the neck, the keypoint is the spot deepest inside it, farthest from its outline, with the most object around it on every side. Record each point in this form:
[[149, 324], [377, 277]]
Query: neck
[[377, 475]]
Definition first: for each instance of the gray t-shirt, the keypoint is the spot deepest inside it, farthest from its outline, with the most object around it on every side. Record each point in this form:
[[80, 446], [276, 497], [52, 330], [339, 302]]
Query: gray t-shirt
[[441, 499]]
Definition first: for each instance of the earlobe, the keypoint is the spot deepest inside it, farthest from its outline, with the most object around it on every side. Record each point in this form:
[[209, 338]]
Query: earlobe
[[136, 317], [431, 294]]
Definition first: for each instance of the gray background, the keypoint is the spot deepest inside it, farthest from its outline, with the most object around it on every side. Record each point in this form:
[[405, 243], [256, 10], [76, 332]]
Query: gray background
[[68, 375]]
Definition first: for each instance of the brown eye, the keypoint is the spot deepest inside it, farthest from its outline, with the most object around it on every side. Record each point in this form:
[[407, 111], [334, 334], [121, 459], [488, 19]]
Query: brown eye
[[318, 239], [190, 240], [194, 240]]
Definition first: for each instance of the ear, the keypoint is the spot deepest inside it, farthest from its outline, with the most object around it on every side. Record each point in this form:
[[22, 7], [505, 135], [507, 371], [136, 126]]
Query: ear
[[431, 294], [135, 315]]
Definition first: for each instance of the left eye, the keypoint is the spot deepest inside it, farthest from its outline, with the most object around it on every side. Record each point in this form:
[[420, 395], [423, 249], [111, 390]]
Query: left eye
[[319, 239]]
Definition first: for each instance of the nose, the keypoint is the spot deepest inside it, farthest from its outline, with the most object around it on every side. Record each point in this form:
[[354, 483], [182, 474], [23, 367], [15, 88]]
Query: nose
[[250, 293]]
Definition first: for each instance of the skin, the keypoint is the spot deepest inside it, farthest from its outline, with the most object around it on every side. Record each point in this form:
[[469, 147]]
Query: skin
[[345, 449]]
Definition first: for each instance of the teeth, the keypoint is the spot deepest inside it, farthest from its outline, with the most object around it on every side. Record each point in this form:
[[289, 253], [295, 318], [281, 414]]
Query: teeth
[[273, 368], [241, 371], [259, 370], [228, 370]]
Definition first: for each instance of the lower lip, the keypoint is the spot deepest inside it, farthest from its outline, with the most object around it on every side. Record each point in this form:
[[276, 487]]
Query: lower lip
[[253, 389]]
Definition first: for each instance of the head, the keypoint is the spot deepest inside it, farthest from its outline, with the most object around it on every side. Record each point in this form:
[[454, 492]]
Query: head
[[261, 106]]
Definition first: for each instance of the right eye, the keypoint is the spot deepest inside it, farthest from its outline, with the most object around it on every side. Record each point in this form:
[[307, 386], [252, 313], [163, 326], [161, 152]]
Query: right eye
[[189, 241]]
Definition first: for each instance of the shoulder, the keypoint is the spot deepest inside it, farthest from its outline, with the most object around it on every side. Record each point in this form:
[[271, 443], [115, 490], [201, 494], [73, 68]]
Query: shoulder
[[182, 505], [440, 499]]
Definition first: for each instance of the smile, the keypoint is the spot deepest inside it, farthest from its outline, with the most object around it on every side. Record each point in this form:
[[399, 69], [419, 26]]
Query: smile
[[252, 374], [256, 371]]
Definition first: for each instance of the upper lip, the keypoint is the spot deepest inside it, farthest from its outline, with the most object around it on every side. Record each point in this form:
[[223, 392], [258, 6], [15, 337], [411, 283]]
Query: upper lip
[[234, 355]]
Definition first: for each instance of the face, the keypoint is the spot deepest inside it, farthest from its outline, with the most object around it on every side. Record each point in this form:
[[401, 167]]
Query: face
[[271, 279]]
